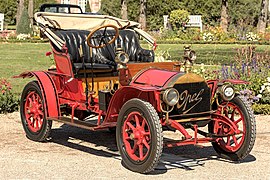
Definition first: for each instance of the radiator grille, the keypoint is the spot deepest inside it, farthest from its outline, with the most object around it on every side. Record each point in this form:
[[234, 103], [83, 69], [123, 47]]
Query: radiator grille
[[194, 98]]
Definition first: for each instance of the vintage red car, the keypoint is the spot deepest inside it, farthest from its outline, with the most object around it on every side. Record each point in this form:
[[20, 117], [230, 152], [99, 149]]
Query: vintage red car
[[104, 79]]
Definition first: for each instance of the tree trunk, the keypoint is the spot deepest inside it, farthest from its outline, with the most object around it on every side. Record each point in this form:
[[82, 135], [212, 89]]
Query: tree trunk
[[31, 11], [124, 12], [142, 18], [20, 7], [263, 16], [224, 15]]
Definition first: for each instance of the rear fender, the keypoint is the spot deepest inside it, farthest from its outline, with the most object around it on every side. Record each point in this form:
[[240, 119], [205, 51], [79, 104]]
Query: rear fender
[[126, 93], [48, 89]]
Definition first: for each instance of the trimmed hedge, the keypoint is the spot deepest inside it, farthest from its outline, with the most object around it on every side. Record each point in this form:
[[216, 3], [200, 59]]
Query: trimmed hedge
[[210, 42], [24, 41]]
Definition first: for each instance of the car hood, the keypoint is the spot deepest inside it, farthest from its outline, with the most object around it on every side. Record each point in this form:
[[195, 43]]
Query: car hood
[[163, 78]]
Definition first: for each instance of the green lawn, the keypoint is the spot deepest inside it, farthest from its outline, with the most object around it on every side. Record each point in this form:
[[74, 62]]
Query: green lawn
[[217, 54], [16, 58], [19, 57]]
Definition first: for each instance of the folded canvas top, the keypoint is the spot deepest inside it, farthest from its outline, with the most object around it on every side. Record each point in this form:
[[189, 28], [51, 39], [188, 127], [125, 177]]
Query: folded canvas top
[[88, 22]]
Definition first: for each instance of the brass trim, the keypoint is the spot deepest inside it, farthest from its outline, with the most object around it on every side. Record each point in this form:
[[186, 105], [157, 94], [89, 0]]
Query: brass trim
[[194, 119], [193, 114], [189, 78]]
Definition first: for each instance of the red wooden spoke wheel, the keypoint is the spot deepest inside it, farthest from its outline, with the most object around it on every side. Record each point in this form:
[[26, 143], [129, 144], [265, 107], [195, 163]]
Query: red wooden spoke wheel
[[33, 117], [234, 144], [136, 136], [233, 141], [33, 110], [139, 136]]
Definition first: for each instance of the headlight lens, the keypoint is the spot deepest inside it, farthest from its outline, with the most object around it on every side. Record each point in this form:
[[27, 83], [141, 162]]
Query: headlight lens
[[171, 96], [227, 92]]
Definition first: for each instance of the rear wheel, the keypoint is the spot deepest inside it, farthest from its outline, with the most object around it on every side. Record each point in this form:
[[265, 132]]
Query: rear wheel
[[35, 124], [235, 146], [139, 136]]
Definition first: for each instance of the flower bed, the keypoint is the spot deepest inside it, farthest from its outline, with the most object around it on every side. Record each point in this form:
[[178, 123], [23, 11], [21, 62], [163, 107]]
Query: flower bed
[[8, 101], [249, 66]]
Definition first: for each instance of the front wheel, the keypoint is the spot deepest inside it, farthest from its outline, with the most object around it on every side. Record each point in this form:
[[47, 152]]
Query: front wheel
[[231, 145], [139, 136], [35, 124]]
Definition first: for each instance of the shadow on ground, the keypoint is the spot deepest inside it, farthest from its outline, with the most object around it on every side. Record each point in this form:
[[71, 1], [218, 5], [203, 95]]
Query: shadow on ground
[[183, 157]]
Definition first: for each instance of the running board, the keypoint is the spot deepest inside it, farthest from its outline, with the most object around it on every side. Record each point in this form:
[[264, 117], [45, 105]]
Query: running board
[[82, 124]]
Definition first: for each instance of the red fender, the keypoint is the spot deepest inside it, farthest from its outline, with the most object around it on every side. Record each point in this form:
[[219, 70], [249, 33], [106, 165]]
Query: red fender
[[213, 84], [48, 89], [125, 93]]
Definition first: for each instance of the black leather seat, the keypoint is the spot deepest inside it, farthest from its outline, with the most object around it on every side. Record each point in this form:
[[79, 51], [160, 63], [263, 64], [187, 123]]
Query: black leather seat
[[103, 58]]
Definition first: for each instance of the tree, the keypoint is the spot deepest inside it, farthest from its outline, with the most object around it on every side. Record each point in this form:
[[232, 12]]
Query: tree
[[179, 18], [156, 9], [9, 8], [142, 16], [133, 10], [38, 3], [20, 9], [263, 16], [124, 9], [224, 15], [111, 8], [243, 16], [87, 8], [31, 11], [23, 26]]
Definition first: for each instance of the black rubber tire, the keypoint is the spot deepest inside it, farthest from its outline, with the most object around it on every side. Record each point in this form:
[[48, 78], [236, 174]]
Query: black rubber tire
[[250, 137], [156, 147], [112, 130], [45, 130]]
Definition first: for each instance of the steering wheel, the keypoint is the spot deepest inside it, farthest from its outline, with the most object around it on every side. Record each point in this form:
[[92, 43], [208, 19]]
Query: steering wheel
[[101, 37]]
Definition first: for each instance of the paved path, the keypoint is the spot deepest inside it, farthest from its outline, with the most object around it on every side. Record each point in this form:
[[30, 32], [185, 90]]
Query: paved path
[[74, 153]]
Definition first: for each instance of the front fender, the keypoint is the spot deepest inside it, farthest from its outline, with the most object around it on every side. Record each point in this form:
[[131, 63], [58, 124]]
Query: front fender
[[125, 93], [213, 84], [48, 90]]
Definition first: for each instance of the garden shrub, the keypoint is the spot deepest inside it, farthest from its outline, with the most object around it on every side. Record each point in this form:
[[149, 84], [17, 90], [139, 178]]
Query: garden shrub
[[207, 72], [211, 35], [193, 34], [8, 101], [23, 37], [24, 24], [251, 67], [167, 34], [179, 18], [265, 92], [162, 56], [250, 36], [261, 108], [7, 35], [188, 34], [254, 68], [215, 34]]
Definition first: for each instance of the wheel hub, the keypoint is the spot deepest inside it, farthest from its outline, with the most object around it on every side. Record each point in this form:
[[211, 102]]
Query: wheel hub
[[33, 111], [136, 136]]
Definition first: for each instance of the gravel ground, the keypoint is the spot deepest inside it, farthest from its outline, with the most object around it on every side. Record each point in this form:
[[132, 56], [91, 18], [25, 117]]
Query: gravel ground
[[74, 153]]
